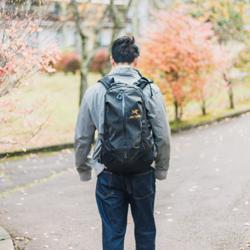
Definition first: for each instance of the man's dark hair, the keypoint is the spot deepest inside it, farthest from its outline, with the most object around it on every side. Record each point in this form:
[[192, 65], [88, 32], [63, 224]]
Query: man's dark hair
[[124, 50]]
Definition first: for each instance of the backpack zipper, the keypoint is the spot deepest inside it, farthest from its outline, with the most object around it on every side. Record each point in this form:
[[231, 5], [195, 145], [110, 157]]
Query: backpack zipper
[[124, 122]]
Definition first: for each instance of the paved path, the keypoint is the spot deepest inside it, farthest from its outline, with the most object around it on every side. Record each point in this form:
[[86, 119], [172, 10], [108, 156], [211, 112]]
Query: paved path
[[204, 204]]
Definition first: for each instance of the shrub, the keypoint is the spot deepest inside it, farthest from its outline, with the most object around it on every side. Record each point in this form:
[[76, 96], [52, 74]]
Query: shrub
[[69, 62], [100, 62]]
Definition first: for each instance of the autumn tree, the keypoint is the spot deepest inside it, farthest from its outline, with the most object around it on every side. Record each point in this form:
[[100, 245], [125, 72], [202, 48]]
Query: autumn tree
[[229, 19], [21, 54], [180, 53]]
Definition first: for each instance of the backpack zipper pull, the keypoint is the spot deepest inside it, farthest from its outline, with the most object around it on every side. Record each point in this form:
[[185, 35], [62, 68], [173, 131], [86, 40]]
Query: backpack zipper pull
[[120, 95]]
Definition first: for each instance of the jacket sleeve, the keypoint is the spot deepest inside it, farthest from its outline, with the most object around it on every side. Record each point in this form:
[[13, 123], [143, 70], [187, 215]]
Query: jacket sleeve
[[84, 138], [161, 133]]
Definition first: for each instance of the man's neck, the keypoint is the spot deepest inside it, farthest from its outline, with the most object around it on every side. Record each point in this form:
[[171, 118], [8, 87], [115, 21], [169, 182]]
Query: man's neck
[[122, 65]]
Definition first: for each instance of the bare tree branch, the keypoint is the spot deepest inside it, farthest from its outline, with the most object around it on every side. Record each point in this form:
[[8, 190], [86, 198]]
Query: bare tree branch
[[78, 20], [118, 18], [96, 41]]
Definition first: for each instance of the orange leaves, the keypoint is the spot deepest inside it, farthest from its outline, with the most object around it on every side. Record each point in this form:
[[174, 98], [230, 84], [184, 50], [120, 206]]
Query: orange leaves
[[1, 72], [180, 52], [21, 52]]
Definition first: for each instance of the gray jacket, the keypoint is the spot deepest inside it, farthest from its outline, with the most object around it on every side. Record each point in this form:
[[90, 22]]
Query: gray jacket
[[91, 119]]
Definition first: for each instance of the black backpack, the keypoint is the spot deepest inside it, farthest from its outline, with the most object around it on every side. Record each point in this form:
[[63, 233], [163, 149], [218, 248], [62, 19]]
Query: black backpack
[[127, 142]]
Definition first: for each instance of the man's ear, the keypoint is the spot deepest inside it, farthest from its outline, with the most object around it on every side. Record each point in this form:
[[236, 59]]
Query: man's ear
[[135, 63], [113, 63]]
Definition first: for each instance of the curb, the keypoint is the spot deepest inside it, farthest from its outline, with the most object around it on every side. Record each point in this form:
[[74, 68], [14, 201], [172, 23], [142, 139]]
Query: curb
[[52, 148], [218, 119], [5, 240], [55, 148]]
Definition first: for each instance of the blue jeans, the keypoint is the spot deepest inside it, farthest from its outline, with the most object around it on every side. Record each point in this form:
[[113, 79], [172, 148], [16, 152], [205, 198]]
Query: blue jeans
[[114, 193]]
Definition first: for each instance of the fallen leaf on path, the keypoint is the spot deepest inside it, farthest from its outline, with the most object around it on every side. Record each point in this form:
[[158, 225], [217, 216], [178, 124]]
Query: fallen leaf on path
[[168, 214]]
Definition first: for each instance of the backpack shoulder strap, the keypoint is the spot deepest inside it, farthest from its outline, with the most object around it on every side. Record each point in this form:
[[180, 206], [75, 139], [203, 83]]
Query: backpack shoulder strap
[[143, 82], [107, 81]]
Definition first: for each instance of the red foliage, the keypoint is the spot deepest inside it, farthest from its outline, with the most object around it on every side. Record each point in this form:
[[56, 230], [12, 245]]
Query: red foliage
[[69, 62], [2, 72], [100, 62], [180, 53], [20, 53]]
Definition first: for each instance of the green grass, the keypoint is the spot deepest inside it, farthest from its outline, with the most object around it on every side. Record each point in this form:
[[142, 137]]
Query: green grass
[[54, 103], [54, 99], [203, 119], [217, 107]]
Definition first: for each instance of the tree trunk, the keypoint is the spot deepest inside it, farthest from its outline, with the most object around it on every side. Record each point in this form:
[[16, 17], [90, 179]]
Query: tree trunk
[[181, 112], [230, 91], [84, 52], [231, 95], [84, 69], [177, 110], [203, 107], [83, 83]]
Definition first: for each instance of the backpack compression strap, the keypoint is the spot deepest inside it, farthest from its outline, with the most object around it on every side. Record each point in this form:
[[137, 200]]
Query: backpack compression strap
[[107, 81]]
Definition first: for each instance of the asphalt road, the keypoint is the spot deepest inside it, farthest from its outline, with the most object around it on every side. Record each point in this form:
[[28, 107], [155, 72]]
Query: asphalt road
[[203, 205]]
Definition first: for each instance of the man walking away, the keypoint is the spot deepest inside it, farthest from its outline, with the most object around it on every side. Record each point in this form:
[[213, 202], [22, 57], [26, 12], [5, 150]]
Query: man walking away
[[132, 148]]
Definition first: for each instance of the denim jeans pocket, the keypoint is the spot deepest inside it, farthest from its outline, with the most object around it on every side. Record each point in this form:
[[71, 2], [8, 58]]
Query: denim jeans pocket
[[103, 184], [143, 184]]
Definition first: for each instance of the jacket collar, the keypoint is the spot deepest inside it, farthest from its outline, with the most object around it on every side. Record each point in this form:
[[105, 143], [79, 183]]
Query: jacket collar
[[124, 70]]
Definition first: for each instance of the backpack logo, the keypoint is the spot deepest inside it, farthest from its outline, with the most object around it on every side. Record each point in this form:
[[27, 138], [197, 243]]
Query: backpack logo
[[135, 114]]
